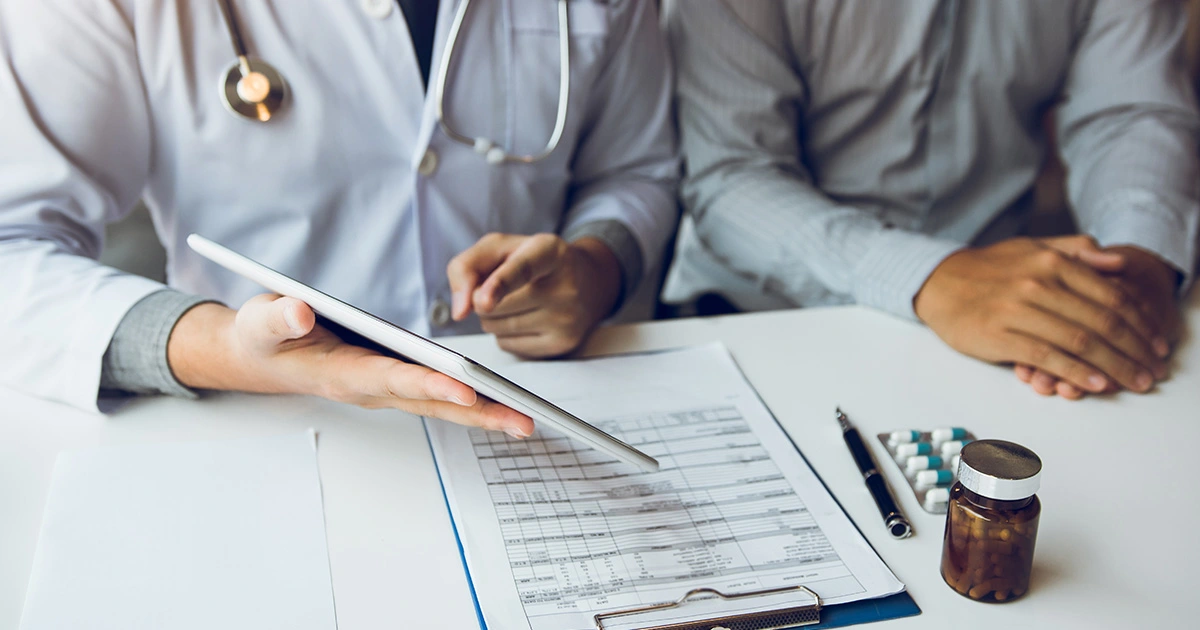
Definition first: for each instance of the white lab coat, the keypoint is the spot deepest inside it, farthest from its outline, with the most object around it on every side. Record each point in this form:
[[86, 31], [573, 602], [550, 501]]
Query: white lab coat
[[352, 188]]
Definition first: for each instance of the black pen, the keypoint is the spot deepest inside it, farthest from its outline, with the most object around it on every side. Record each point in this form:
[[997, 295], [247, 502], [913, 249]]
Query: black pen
[[897, 525]]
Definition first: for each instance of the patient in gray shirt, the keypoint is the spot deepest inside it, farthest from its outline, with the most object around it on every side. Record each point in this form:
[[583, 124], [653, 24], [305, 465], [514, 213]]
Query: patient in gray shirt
[[883, 153]]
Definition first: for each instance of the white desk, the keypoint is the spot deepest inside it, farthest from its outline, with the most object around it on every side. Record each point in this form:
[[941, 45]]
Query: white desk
[[1115, 547]]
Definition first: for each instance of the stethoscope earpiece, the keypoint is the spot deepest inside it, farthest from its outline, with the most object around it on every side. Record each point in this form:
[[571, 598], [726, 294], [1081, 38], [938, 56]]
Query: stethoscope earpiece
[[257, 94]]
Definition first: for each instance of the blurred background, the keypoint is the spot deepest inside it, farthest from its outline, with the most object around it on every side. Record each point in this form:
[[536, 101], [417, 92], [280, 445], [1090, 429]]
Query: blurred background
[[131, 244]]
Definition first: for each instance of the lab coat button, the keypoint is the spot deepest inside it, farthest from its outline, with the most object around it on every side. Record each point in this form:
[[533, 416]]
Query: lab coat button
[[429, 163], [378, 9], [439, 312]]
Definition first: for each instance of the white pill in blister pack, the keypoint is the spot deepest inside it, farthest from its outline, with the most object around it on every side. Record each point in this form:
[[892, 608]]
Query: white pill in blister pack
[[923, 462], [953, 447], [945, 434], [913, 448], [936, 497], [929, 460], [934, 477]]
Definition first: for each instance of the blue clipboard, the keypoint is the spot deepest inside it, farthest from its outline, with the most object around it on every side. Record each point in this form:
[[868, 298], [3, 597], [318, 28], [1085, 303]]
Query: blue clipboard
[[841, 615]]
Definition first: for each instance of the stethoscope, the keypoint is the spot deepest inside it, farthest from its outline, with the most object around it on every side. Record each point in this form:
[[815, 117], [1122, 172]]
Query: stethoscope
[[253, 89]]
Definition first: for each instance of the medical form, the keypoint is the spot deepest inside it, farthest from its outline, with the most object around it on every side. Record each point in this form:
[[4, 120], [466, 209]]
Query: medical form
[[553, 533]]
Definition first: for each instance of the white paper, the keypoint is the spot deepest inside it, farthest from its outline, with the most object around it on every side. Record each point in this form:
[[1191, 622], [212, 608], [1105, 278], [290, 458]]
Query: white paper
[[186, 536], [555, 532]]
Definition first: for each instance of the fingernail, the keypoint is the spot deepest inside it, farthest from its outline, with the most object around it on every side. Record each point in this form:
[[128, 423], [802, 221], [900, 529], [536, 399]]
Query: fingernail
[[289, 316], [458, 303], [456, 400], [516, 433], [1161, 347], [1097, 382], [1144, 381]]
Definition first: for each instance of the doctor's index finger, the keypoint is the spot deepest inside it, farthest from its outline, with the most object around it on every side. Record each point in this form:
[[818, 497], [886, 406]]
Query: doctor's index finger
[[538, 256], [472, 265]]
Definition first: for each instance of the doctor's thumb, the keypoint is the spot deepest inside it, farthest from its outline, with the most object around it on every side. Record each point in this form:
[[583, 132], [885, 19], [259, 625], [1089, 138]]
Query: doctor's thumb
[[272, 319]]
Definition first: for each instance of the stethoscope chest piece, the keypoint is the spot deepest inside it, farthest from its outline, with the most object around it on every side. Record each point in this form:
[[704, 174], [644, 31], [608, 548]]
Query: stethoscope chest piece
[[252, 88]]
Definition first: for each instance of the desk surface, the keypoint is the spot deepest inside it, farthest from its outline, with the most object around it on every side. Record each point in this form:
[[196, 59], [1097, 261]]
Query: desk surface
[[1112, 550]]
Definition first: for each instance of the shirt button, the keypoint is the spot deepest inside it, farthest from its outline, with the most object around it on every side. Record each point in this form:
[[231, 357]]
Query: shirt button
[[439, 312], [378, 9], [429, 163]]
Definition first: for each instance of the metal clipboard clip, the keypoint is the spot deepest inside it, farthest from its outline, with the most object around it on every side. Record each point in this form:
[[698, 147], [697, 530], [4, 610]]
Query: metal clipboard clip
[[777, 619]]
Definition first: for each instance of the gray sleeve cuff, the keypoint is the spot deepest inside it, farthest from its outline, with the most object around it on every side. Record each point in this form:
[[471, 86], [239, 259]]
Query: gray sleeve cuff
[[136, 358], [618, 237]]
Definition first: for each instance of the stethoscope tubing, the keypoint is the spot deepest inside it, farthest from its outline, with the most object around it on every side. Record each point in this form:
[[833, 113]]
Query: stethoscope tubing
[[490, 148]]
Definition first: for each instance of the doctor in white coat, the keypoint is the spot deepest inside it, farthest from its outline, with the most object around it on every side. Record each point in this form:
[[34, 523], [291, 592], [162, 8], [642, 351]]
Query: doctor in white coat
[[354, 185]]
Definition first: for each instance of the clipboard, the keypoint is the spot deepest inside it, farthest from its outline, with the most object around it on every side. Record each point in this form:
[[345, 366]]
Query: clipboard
[[811, 616], [814, 616]]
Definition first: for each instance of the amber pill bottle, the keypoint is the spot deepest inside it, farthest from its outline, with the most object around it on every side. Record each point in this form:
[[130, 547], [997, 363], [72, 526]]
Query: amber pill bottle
[[992, 521]]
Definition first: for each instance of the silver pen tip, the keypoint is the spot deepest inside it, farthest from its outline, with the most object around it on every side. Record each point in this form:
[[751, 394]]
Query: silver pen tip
[[842, 419]]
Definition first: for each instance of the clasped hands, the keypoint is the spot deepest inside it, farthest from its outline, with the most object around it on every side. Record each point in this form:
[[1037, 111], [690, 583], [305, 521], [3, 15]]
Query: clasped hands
[[539, 295], [1073, 318]]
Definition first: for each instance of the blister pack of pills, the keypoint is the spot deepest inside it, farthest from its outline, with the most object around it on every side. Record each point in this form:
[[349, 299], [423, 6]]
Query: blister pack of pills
[[929, 461]]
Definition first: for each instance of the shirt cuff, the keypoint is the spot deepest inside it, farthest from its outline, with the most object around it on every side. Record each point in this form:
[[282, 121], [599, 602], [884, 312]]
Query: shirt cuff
[[619, 238], [1138, 218], [895, 267], [136, 358]]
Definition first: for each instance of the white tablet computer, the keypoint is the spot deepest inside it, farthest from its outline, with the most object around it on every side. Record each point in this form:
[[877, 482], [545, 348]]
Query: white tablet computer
[[420, 350]]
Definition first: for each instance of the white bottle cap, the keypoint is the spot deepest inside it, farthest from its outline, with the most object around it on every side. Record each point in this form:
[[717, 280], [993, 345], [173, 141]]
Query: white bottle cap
[[999, 470]]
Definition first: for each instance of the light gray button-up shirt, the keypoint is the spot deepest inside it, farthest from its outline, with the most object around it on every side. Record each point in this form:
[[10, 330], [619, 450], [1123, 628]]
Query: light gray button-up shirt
[[838, 150]]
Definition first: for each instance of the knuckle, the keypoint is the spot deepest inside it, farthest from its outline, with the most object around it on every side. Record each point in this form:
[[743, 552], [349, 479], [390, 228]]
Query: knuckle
[[1049, 259], [1110, 325], [1029, 287], [1116, 299], [1080, 342], [523, 271], [570, 292], [1040, 353]]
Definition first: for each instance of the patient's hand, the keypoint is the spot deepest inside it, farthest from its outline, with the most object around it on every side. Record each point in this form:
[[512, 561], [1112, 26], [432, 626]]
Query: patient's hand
[[1030, 302], [1153, 284]]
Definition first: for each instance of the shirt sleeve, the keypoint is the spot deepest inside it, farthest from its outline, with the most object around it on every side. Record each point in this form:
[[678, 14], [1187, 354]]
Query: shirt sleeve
[[750, 196], [1129, 132], [136, 358], [626, 166], [624, 246], [74, 156]]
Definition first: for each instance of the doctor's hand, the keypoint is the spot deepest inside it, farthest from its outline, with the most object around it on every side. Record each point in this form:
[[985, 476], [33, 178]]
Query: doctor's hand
[[1028, 302], [1147, 278], [539, 295], [274, 345]]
